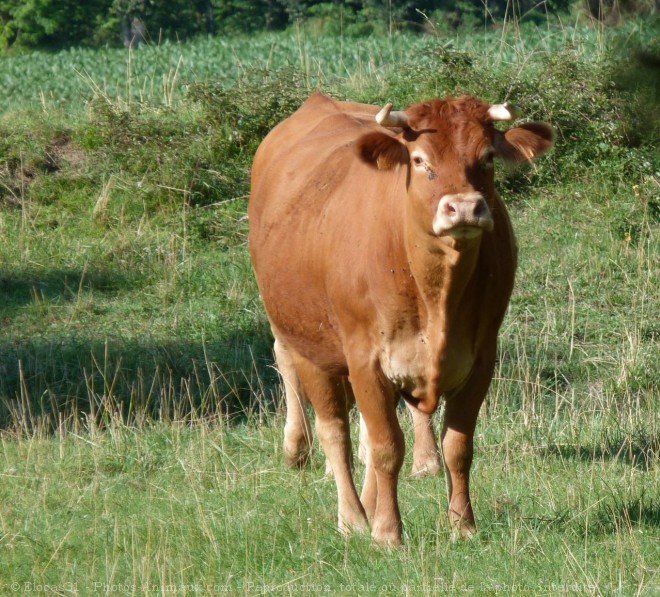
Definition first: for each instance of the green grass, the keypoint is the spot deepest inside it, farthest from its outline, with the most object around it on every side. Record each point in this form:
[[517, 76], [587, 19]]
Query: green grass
[[161, 74], [211, 506], [140, 418]]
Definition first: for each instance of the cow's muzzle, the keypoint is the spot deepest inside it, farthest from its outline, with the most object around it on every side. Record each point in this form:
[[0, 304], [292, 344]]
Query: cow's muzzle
[[462, 215]]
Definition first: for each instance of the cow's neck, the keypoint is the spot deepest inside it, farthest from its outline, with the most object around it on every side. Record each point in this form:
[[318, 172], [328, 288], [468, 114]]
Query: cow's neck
[[443, 269]]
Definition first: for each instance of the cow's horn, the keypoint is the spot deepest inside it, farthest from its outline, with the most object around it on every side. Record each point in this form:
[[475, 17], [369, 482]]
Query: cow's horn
[[388, 118], [503, 111]]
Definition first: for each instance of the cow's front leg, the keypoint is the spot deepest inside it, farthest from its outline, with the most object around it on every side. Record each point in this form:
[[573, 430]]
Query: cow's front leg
[[460, 420], [457, 450], [377, 404]]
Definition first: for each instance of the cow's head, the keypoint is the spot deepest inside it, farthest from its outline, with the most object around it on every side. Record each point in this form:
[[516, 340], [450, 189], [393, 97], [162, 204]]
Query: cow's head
[[449, 147]]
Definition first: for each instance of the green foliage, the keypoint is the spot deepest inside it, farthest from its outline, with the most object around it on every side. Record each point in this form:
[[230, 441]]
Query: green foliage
[[246, 16], [245, 113], [636, 77], [66, 23], [48, 23], [174, 19], [339, 20]]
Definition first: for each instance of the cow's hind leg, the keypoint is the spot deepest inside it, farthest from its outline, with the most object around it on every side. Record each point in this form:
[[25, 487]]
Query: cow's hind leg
[[328, 397], [297, 430], [350, 403], [426, 458]]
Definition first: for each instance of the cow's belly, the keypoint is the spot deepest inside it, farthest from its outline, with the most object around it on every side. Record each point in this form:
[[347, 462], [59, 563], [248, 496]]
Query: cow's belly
[[301, 314]]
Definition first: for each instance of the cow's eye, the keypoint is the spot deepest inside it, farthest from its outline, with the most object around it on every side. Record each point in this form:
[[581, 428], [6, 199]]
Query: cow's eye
[[487, 159], [417, 160]]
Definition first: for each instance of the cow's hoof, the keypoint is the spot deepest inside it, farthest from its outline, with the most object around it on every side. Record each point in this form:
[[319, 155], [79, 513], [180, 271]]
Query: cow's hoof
[[297, 457], [426, 468], [462, 531], [329, 473], [387, 537], [357, 524]]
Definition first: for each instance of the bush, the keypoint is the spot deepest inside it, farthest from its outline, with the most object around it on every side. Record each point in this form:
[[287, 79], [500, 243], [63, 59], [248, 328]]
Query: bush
[[244, 114]]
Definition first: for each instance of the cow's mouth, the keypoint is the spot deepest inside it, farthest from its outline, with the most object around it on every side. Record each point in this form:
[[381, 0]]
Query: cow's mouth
[[465, 232]]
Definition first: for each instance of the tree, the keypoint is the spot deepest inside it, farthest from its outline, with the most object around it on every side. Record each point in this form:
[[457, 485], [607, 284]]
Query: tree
[[50, 23]]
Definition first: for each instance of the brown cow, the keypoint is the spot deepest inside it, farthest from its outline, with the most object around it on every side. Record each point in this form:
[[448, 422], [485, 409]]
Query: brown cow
[[385, 260]]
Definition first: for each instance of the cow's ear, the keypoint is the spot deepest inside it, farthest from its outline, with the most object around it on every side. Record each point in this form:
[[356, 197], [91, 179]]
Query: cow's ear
[[381, 151], [524, 143]]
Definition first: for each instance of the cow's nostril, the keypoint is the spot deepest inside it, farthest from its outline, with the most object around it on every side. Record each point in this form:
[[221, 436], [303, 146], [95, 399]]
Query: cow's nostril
[[462, 210]]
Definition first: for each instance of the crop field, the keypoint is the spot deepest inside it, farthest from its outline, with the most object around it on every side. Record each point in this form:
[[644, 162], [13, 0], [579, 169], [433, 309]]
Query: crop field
[[140, 412]]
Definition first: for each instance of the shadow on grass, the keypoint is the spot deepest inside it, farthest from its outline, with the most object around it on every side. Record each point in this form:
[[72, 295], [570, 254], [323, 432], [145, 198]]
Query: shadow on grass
[[611, 515], [51, 380], [64, 376], [640, 450], [44, 383], [616, 515], [57, 285]]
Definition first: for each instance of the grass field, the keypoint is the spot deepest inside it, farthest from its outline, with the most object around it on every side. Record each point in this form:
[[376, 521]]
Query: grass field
[[140, 417]]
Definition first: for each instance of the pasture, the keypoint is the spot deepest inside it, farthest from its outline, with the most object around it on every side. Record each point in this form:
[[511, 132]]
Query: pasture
[[140, 416]]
